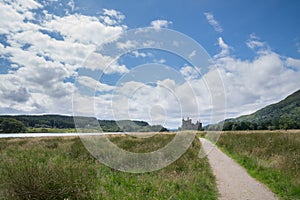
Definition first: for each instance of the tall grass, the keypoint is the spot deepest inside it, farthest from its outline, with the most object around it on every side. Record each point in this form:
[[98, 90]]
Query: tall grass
[[39, 170], [61, 168], [271, 157]]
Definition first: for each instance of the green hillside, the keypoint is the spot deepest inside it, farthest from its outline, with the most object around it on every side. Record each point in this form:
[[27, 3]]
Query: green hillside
[[282, 115], [57, 123]]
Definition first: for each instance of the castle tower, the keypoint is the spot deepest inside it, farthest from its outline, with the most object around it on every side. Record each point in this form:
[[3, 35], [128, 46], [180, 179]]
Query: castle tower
[[188, 125]]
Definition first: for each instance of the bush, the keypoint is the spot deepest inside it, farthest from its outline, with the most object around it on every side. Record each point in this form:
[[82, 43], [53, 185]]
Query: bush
[[11, 126]]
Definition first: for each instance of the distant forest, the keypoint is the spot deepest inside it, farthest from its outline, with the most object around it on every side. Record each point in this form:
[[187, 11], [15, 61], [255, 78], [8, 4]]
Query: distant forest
[[44, 123]]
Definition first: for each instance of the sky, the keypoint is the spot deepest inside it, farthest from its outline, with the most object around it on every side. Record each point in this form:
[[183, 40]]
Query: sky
[[151, 60]]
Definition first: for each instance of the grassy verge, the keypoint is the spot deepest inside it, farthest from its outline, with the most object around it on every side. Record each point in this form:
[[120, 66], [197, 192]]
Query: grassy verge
[[61, 168], [271, 157]]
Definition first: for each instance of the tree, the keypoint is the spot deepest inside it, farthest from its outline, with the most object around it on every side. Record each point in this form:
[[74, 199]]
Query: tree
[[11, 126], [227, 126]]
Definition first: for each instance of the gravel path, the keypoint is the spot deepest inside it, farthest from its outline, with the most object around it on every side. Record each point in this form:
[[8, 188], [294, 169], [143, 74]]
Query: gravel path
[[233, 182]]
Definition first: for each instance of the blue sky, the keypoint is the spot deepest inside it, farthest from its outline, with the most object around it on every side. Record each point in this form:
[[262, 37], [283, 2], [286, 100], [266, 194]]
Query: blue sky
[[53, 55], [273, 21]]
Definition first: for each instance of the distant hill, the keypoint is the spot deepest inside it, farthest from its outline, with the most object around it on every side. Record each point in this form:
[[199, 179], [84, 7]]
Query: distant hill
[[282, 115], [67, 122]]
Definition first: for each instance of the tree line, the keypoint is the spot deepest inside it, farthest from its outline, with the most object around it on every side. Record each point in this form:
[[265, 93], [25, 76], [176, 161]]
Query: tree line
[[21, 123]]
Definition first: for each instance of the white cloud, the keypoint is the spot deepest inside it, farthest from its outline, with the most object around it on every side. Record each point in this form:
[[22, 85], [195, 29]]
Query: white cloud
[[249, 84], [23, 6], [254, 42], [136, 100], [129, 44], [225, 48], [149, 43], [40, 66], [72, 54], [214, 23], [298, 46], [138, 54], [253, 84], [71, 3], [158, 24], [83, 29], [12, 20], [113, 68], [189, 72], [160, 61], [12, 90], [108, 20], [94, 84], [112, 17], [192, 54], [293, 62], [39, 63], [114, 14], [106, 64]]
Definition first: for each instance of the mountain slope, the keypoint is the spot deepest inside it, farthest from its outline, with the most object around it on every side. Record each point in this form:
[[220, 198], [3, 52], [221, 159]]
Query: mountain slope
[[282, 115], [285, 111]]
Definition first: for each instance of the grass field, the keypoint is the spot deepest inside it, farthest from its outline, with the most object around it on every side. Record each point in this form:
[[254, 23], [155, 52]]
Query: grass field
[[273, 157], [61, 168]]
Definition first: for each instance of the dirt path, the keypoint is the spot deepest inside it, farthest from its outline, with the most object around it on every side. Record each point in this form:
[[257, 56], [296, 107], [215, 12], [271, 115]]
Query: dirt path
[[233, 182]]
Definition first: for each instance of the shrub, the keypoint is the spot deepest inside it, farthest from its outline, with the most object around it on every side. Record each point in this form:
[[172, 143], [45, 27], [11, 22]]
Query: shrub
[[11, 126]]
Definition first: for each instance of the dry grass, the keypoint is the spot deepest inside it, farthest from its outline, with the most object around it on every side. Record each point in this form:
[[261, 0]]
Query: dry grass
[[273, 157], [61, 168]]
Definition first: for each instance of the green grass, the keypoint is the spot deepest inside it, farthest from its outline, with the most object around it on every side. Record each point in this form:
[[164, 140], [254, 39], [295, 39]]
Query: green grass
[[61, 168], [271, 157]]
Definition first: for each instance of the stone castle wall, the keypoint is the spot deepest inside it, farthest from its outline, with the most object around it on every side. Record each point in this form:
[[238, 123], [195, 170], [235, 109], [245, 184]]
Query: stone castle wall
[[188, 125]]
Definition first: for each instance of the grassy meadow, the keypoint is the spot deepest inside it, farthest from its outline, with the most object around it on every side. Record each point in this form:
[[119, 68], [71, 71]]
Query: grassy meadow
[[273, 157], [61, 168]]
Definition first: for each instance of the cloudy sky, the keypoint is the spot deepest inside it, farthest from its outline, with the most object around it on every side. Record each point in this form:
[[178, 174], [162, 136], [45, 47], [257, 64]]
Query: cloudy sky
[[82, 57]]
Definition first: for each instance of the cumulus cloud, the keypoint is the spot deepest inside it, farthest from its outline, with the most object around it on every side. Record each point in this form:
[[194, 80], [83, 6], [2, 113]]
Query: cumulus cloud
[[293, 62], [106, 64], [253, 84], [94, 84], [114, 14], [189, 72], [44, 50], [13, 15], [249, 84], [83, 29], [13, 92], [158, 24], [137, 100], [214, 23]]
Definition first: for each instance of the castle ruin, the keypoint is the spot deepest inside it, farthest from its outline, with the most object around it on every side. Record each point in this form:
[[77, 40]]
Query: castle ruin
[[188, 125]]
